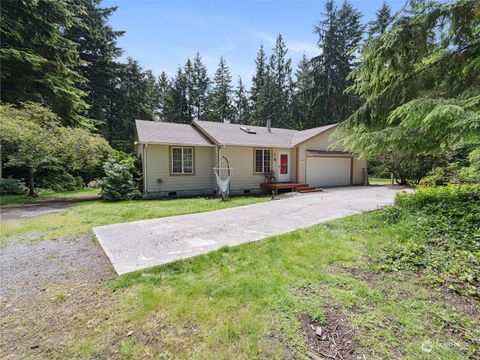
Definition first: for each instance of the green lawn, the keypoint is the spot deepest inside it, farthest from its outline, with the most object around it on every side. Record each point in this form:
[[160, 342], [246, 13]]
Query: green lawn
[[85, 215], [24, 199], [254, 301], [246, 302], [379, 181]]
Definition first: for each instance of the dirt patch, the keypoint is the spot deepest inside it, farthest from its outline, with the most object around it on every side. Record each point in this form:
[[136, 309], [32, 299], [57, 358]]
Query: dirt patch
[[41, 207], [335, 339], [52, 294], [367, 276], [49, 324]]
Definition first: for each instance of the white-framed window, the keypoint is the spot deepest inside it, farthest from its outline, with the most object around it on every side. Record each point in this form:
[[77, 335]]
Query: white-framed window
[[262, 160], [182, 160]]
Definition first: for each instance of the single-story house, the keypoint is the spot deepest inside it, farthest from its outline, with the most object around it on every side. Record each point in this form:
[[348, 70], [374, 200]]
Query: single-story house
[[179, 159]]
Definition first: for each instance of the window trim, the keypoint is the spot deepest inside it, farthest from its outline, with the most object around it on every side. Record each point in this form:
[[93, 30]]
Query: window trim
[[171, 160], [255, 172]]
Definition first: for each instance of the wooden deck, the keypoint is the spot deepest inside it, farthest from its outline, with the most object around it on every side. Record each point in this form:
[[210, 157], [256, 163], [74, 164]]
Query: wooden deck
[[300, 187]]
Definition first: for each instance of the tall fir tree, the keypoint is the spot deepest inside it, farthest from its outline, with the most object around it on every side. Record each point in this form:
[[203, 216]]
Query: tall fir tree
[[176, 100], [281, 87], [241, 103], [340, 33], [381, 22], [420, 106], [274, 99], [220, 106], [98, 50], [258, 78], [38, 62], [302, 98], [258, 81], [163, 86], [133, 91], [200, 87], [188, 72]]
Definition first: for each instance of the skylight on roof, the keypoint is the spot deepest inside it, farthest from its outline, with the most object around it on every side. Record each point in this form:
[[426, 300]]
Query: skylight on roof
[[247, 130]]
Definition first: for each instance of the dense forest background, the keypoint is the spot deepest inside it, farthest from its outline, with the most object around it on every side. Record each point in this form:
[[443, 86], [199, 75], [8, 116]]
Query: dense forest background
[[405, 85], [65, 55]]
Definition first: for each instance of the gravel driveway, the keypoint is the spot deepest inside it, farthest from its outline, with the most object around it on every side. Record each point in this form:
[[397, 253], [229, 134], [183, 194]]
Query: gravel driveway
[[26, 269], [137, 245]]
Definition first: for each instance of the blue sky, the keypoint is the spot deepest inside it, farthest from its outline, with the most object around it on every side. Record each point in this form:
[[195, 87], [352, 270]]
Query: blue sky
[[161, 35]]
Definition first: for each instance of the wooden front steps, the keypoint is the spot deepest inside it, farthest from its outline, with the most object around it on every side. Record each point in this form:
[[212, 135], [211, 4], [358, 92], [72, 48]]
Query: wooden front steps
[[300, 187], [306, 189]]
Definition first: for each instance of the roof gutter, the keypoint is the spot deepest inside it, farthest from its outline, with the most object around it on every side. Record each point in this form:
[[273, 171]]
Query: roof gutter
[[173, 144]]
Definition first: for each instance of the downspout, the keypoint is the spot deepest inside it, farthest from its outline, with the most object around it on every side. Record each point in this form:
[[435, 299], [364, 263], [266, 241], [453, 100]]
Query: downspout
[[144, 165]]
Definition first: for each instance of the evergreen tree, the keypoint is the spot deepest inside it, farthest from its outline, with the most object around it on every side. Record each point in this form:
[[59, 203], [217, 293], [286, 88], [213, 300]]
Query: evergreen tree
[[220, 106], [260, 72], [381, 22], [302, 98], [242, 107], [280, 88], [38, 61], [163, 88], [152, 96], [190, 88], [419, 105], [200, 86], [97, 46], [340, 33], [133, 94], [176, 100], [257, 90]]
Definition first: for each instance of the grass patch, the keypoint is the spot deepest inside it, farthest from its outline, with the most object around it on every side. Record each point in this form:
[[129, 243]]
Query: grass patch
[[379, 181], [245, 302], [83, 216], [6, 200]]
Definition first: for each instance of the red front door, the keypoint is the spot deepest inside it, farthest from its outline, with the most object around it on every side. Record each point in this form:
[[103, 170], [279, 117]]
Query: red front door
[[283, 168], [283, 164]]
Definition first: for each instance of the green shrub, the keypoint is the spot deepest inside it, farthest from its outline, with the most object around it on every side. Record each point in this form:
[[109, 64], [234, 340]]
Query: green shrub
[[58, 181], [94, 184], [444, 241], [118, 183], [453, 173], [11, 186]]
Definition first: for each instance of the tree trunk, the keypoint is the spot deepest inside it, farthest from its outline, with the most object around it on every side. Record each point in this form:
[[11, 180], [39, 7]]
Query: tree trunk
[[31, 183]]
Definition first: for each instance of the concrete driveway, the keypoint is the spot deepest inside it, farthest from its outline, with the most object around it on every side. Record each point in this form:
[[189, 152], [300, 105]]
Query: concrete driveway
[[141, 244]]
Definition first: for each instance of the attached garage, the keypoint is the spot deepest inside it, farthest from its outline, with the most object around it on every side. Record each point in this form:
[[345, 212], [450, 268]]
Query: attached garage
[[328, 171]]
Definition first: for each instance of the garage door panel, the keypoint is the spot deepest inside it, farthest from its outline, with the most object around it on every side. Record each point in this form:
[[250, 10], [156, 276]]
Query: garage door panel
[[328, 171]]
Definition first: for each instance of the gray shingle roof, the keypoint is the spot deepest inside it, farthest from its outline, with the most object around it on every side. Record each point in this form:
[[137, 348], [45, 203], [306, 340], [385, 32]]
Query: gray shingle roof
[[201, 132], [301, 136], [232, 134], [155, 132]]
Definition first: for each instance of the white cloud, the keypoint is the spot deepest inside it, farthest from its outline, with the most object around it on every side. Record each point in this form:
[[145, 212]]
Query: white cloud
[[294, 46], [303, 47]]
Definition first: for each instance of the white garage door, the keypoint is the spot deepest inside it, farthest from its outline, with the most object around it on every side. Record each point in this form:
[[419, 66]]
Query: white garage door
[[328, 171]]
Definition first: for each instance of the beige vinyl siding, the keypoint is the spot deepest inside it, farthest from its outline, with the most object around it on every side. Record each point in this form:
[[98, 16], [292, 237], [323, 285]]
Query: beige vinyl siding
[[322, 142], [241, 160], [215, 160], [157, 165]]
